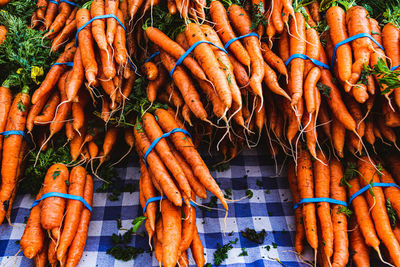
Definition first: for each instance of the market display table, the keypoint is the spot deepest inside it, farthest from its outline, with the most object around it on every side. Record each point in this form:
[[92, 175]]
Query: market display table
[[270, 208]]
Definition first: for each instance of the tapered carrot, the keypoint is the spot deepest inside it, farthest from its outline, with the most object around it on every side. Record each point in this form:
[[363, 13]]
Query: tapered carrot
[[338, 136], [175, 50], [242, 78], [111, 7], [51, 13], [185, 86], [64, 9], [121, 52], [273, 60], [271, 80], [242, 24], [300, 231], [75, 146], [313, 47], [377, 206], [78, 110], [72, 15], [284, 46], [63, 36], [41, 258], [360, 250], [5, 100], [78, 244], [185, 146], [197, 249], [174, 96], [171, 217], [52, 209], [188, 226], [156, 166], [12, 145], [33, 238], [339, 219], [52, 252], [154, 86], [54, 74], [77, 180], [336, 19], [87, 50], [41, 9], [110, 139], [223, 28], [33, 111], [148, 192], [276, 16], [48, 110]]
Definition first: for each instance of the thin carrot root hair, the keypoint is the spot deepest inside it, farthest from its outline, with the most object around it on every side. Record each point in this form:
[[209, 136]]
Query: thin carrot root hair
[[366, 151], [125, 155], [380, 256], [41, 147]]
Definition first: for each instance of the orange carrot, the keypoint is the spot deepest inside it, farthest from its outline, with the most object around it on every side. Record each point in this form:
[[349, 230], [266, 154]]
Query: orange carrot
[[121, 53], [64, 9], [63, 36], [148, 192], [273, 60], [33, 111], [5, 100], [78, 244], [51, 13], [150, 70], [3, 33], [171, 217], [188, 226], [197, 249], [271, 80], [48, 110], [358, 247], [41, 258]]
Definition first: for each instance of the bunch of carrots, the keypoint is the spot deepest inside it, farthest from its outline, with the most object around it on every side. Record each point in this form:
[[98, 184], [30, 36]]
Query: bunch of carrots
[[57, 228]]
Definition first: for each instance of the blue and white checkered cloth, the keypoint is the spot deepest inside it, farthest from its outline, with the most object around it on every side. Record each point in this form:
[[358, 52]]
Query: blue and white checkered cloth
[[270, 208]]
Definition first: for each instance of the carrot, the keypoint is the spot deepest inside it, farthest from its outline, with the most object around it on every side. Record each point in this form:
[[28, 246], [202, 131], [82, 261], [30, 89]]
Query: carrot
[[64, 9], [310, 89], [314, 11], [183, 259], [121, 52], [334, 100], [306, 190], [297, 46], [300, 232], [78, 110], [358, 247], [391, 193], [63, 36], [5, 100], [310, 21], [276, 16], [150, 70], [339, 219], [313, 47], [52, 209], [87, 50], [71, 16], [396, 232], [225, 63], [33, 111], [272, 59], [76, 143], [197, 249], [386, 131], [369, 132], [156, 166], [12, 145], [391, 117], [49, 109], [148, 192], [52, 252], [393, 163], [3, 33], [284, 45], [133, 7], [154, 85], [41, 6], [175, 50], [185, 146], [208, 61], [223, 28], [171, 217], [174, 96], [110, 139], [336, 19], [78, 244], [111, 7], [377, 206], [185, 86], [271, 80], [33, 238], [357, 20], [188, 225], [269, 30], [54, 74], [51, 13], [240, 72], [242, 23], [41, 258], [322, 181], [186, 114], [77, 180]]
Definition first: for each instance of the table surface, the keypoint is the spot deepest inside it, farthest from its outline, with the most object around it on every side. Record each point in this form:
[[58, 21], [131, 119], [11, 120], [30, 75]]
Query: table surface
[[270, 208]]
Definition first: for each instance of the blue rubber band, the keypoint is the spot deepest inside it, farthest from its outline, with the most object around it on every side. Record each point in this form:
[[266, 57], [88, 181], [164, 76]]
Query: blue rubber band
[[17, 132], [69, 2], [91, 20], [305, 57], [394, 68], [68, 64], [155, 142], [152, 56], [154, 199], [352, 38], [367, 187], [53, 1], [62, 195], [320, 199], [238, 38], [182, 58]]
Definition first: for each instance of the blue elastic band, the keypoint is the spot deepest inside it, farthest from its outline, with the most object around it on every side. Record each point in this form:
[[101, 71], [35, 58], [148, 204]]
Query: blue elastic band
[[154, 199], [17, 132], [62, 195], [152, 56], [97, 17], [367, 187], [394, 68], [54, 2], [68, 64], [320, 199], [238, 38], [182, 58], [352, 38], [69, 2], [154, 143], [316, 62]]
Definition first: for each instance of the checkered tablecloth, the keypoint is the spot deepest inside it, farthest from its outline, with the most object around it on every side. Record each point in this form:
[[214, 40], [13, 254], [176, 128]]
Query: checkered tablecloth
[[270, 208]]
